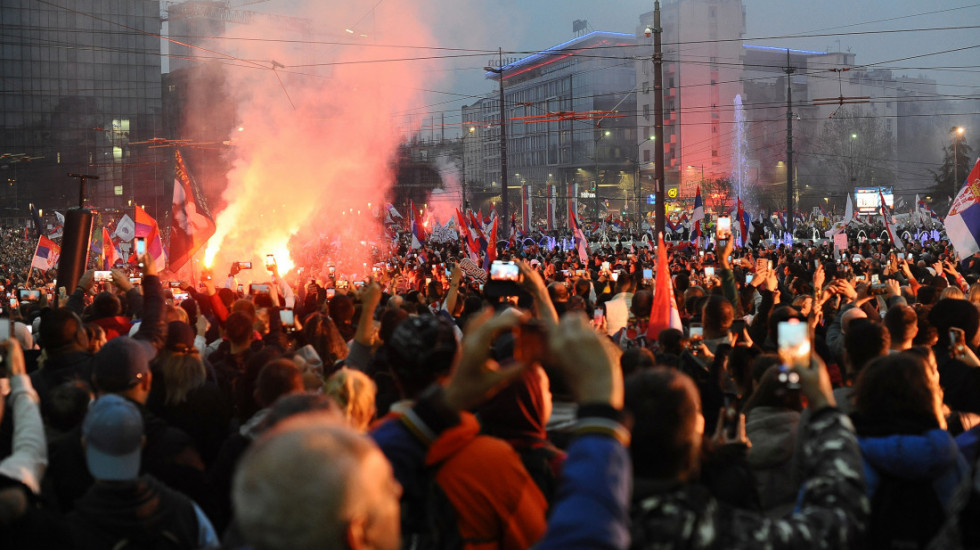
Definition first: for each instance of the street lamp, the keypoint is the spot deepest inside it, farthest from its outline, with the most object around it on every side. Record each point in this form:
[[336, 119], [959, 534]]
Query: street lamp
[[470, 132], [850, 153], [957, 132], [505, 204]]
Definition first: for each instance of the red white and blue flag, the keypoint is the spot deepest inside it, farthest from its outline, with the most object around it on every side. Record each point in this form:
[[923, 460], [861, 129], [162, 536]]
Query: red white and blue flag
[[581, 243], [698, 214], [963, 221], [46, 254], [109, 252]]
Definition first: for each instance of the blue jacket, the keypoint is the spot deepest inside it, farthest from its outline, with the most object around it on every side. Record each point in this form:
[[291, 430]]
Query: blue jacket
[[932, 454]]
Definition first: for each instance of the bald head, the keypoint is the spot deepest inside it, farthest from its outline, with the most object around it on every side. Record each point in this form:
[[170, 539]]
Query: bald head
[[850, 315], [313, 482]]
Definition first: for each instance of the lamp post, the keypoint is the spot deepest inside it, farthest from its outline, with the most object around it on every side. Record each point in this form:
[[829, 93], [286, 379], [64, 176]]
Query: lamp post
[[505, 205], [595, 157], [957, 135], [469, 133]]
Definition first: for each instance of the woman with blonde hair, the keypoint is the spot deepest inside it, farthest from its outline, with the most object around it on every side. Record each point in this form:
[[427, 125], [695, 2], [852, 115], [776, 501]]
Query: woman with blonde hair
[[952, 292], [355, 392], [974, 295]]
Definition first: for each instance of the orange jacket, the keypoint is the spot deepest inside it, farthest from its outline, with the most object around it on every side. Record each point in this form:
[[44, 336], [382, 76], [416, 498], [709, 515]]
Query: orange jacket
[[498, 505]]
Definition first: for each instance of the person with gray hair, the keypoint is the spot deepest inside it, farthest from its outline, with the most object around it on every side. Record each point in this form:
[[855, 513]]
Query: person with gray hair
[[285, 497]]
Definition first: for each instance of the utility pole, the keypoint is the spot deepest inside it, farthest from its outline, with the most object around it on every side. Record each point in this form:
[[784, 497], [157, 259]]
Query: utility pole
[[660, 208], [789, 144], [503, 229]]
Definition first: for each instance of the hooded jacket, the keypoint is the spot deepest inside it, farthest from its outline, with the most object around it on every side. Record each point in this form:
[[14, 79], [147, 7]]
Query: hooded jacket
[[772, 431], [139, 511]]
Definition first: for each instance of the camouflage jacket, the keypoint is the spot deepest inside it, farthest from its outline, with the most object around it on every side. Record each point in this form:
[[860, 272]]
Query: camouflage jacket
[[831, 511]]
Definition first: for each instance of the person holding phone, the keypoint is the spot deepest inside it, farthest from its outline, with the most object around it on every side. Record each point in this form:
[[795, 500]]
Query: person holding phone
[[665, 510], [21, 470]]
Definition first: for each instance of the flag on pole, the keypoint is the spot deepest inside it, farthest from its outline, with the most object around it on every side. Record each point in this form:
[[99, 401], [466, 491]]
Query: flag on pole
[[582, 244], [698, 214], [125, 229], [58, 230], [664, 313], [191, 223], [145, 226], [886, 215], [144, 223], [466, 234], [491, 244], [963, 220], [849, 209], [45, 254], [155, 249], [109, 253]]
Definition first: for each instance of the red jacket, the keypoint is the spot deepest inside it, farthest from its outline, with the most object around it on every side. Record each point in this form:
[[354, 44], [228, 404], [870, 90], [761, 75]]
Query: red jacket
[[114, 326]]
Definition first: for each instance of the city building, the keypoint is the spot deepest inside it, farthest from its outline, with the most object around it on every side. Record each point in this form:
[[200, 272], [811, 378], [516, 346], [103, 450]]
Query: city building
[[852, 127], [79, 83], [570, 115], [702, 75]]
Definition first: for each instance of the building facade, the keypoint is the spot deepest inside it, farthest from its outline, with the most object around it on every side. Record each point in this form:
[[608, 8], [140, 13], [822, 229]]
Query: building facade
[[702, 74], [570, 116], [79, 82]]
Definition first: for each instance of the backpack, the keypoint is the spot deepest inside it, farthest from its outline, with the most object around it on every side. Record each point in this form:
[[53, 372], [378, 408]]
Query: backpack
[[431, 526], [905, 514]]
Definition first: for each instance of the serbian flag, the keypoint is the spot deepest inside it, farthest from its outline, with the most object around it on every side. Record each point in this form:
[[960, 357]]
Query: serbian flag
[[45, 254], [465, 233], [663, 314], [109, 253], [581, 243], [896, 241], [155, 250], [144, 223], [963, 221], [698, 214], [191, 225]]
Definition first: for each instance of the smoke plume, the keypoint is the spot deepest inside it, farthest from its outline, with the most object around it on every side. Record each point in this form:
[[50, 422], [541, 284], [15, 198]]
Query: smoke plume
[[318, 127]]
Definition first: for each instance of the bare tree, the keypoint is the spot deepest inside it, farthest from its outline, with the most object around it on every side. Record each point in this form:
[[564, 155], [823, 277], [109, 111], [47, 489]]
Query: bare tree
[[854, 149]]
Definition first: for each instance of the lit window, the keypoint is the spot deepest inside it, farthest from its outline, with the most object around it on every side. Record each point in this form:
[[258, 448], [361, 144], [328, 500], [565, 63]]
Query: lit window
[[118, 190]]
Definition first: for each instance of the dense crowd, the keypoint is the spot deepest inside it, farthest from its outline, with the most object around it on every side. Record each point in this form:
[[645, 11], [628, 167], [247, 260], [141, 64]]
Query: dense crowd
[[799, 396]]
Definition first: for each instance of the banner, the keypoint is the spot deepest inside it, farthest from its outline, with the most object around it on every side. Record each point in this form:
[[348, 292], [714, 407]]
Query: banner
[[191, 223]]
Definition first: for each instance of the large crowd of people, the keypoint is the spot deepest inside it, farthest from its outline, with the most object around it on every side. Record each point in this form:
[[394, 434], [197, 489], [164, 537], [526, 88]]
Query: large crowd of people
[[791, 395]]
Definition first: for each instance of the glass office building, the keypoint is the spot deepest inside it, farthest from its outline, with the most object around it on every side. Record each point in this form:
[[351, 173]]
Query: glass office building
[[79, 83]]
